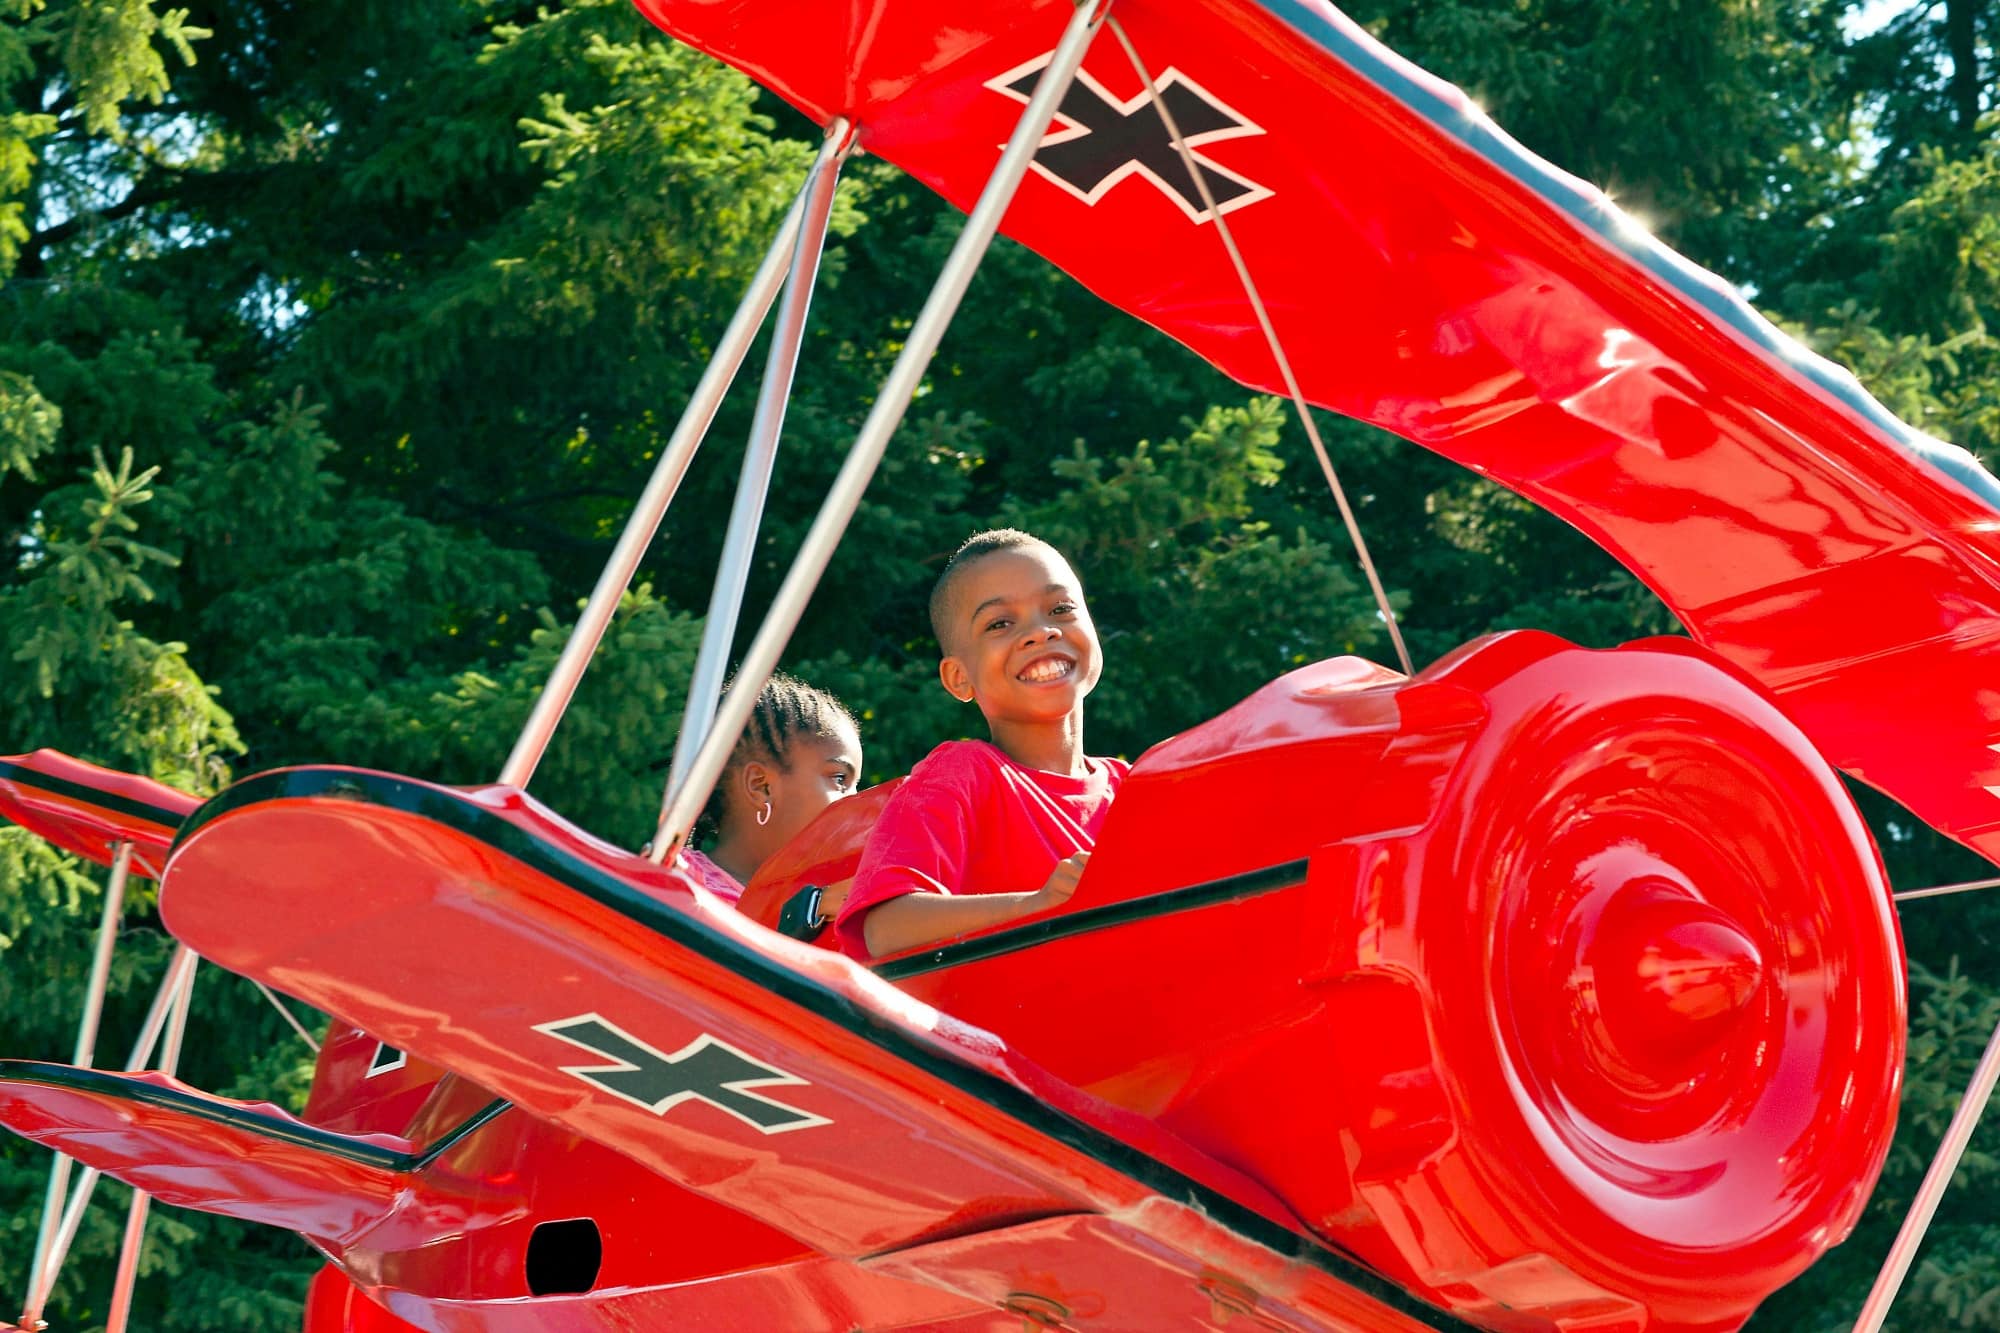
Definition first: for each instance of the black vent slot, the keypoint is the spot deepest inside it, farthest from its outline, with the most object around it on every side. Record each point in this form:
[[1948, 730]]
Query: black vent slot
[[563, 1257]]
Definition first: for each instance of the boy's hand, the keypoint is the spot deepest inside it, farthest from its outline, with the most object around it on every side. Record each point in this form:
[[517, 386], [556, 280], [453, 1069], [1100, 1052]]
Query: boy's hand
[[925, 918], [1061, 883]]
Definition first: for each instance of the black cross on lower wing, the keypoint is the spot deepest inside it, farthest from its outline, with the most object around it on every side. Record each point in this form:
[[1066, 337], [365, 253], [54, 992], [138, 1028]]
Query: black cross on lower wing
[[1106, 140], [705, 1069]]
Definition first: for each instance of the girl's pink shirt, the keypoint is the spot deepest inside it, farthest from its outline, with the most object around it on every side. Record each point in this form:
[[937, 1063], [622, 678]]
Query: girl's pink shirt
[[713, 877]]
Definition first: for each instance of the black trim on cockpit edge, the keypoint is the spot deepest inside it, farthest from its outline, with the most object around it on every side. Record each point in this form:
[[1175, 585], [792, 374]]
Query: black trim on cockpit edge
[[1210, 893], [455, 812]]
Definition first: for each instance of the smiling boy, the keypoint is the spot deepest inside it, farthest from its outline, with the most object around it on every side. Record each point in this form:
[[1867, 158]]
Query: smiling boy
[[986, 833]]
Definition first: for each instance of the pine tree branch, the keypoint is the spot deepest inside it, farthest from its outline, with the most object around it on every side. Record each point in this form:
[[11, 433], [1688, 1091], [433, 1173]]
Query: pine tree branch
[[490, 513], [1962, 44], [176, 187]]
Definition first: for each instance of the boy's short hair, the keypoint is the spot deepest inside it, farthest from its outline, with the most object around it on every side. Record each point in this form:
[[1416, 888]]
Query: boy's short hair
[[970, 551]]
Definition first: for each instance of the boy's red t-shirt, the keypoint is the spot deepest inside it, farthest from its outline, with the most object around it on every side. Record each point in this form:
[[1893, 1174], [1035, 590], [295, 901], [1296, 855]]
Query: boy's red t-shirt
[[971, 820]]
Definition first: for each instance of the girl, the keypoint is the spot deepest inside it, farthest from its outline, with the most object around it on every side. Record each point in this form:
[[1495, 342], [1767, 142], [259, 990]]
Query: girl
[[800, 753]]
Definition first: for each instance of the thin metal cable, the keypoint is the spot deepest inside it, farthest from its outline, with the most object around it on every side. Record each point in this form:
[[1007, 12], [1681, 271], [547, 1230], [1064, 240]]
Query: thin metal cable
[[1270, 337], [1958, 1134], [1940, 890], [286, 1013]]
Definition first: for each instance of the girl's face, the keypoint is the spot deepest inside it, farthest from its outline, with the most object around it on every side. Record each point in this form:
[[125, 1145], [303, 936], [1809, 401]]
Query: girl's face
[[819, 770]]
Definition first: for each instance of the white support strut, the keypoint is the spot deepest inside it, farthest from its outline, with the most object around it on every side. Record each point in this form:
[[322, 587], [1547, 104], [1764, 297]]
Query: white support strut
[[1943, 890], [127, 1278], [739, 543], [844, 496], [86, 1052], [285, 1012], [179, 979]]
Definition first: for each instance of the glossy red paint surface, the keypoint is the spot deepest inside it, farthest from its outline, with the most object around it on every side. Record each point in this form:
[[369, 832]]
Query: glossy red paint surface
[[526, 1173], [660, 1243], [905, 1155], [1586, 1010], [448, 1246], [359, 1087], [1081, 1272], [810, 1294], [807, 1294], [89, 810], [1427, 275], [671, 1257], [336, 1305], [1598, 954]]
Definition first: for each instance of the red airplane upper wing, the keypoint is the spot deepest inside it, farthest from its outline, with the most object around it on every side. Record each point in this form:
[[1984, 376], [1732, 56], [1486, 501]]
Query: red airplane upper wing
[[1429, 275]]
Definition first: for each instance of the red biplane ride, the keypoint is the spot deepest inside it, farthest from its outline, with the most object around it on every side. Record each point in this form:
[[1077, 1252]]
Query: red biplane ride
[[1541, 989]]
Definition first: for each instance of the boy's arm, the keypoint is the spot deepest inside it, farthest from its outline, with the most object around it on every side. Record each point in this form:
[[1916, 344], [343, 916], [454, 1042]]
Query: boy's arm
[[917, 919]]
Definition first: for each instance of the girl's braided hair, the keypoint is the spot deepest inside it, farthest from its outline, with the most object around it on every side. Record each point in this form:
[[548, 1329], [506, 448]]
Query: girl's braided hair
[[786, 709]]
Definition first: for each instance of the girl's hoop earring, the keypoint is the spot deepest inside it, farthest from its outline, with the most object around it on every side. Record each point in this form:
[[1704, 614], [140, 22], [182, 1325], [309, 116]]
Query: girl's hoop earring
[[764, 815]]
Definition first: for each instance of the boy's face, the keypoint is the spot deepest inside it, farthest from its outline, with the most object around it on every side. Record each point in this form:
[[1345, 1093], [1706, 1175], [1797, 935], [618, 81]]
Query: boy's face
[[1020, 641]]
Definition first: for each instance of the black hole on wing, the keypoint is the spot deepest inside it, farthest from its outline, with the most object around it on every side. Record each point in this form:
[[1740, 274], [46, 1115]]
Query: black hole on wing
[[563, 1257]]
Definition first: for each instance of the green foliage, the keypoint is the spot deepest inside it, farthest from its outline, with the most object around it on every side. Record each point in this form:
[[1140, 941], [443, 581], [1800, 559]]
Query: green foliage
[[1715, 121], [29, 424], [109, 48], [605, 763], [100, 54], [1954, 1019], [61, 630], [1925, 76], [36, 881]]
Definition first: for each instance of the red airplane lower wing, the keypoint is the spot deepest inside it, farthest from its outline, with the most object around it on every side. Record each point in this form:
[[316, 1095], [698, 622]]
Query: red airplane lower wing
[[239, 1159], [478, 931], [372, 1192], [90, 810]]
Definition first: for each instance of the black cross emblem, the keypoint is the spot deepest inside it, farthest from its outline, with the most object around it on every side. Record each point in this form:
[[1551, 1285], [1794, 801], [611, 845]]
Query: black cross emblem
[[1099, 140], [705, 1070]]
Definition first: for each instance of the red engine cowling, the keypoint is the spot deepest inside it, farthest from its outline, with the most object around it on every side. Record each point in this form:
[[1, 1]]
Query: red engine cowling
[[1637, 1008]]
